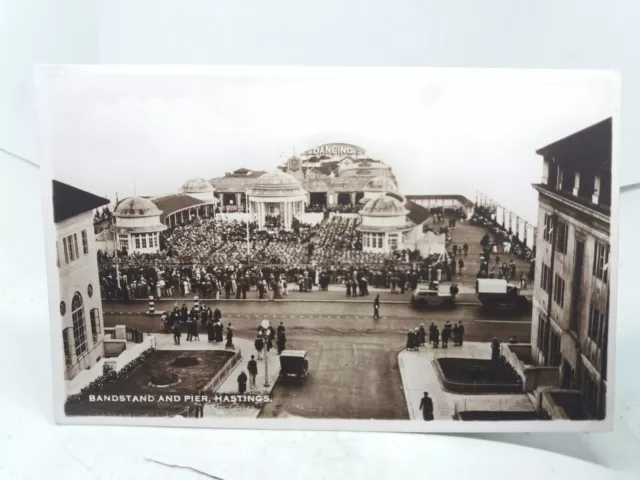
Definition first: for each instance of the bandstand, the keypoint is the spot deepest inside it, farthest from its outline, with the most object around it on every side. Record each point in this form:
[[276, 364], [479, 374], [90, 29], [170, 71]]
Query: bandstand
[[278, 194]]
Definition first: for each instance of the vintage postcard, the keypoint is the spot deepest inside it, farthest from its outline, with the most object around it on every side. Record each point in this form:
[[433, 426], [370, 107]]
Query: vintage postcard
[[331, 248]]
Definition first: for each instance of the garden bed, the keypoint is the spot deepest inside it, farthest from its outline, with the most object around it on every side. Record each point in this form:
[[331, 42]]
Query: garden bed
[[469, 376], [137, 379], [481, 415]]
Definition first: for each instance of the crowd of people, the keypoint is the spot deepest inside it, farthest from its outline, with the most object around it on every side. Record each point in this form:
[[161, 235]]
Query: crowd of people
[[435, 337], [504, 239]]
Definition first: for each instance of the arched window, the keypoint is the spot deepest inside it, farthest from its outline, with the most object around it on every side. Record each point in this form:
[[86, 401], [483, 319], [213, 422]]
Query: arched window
[[79, 328]]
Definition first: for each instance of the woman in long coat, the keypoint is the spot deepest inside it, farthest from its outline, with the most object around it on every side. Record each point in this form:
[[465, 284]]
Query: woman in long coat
[[229, 343], [211, 334], [218, 331]]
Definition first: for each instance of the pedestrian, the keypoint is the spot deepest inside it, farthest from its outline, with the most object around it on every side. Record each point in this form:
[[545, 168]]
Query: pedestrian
[[211, 334], [436, 336], [259, 344], [252, 368], [376, 307], [281, 342], [432, 329], [453, 290], [465, 248], [409, 345], [229, 343], [242, 382], [422, 334], [189, 329], [460, 333], [495, 349], [446, 335], [426, 405], [176, 333], [280, 329], [460, 267]]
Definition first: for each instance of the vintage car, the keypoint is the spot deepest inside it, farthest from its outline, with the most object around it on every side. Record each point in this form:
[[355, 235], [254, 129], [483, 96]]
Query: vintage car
[[432, 295], [494, 292], [293, 366]]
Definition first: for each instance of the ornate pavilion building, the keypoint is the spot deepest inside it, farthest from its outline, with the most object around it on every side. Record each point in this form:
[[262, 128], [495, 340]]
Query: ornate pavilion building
[[276, 193], [138, 225]]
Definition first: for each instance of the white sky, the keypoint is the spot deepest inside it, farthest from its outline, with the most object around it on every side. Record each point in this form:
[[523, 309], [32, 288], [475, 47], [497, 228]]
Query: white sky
[[443, 131]]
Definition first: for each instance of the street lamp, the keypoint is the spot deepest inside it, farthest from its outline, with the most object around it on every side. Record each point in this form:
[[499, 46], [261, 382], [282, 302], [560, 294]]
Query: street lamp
[[265, 324]]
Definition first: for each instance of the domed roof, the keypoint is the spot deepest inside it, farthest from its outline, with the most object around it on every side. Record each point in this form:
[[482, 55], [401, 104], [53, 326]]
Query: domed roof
[[385, 205], [381, 184], [136, 207], [196, 185], [276, 184]]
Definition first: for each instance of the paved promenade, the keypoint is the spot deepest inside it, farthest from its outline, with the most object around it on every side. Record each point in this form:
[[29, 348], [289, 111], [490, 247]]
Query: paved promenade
[[419, 376]]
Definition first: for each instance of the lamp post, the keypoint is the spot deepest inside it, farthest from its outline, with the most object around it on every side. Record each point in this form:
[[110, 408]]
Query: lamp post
[[265, 324], [248, 208]]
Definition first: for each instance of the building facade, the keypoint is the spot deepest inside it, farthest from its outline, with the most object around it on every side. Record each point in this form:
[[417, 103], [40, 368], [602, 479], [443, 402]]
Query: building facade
[[571, 295], [277, 195], [138, 225], [390, 222], [339, 174], [80, 301]]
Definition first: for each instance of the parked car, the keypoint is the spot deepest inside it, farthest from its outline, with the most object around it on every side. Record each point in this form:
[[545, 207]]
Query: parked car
[[494, 292], [294, 365], [430, 294]]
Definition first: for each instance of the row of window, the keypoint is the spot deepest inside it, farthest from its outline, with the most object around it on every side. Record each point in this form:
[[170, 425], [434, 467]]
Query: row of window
[[140, 240], [70, 247], [548, 342], [374, 240], [561, 234], [598, 325]]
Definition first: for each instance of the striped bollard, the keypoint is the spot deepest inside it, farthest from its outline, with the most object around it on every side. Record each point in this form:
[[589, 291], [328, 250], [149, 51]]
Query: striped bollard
[[196, 303], [152, 305]]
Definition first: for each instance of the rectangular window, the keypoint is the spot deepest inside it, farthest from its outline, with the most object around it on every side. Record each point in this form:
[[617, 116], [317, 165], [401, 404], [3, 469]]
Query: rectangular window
[[95, 324], [541, 325], [597, 326], [380, 240], [144, 240], [75, 246], [558, 290], [72, 255], [66, 250], [561, 244], [85, 242], [365, 240], [554, 350], [547, 231], [137, 240], [545, 278], [601, 261], [65, 343], [124, 241], [393, 240]]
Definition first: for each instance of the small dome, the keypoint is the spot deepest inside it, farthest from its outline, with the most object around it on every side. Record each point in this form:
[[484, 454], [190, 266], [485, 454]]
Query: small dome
[[276, 184], [196, 185], [384, 206], [381, 184], [136, 207]]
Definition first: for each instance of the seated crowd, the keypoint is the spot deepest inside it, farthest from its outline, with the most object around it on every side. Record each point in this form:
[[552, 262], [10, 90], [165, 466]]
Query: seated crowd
[[212, 257]]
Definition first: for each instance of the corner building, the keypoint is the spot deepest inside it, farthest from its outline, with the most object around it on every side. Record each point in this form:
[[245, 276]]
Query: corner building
[[571, 295], [80, 301]]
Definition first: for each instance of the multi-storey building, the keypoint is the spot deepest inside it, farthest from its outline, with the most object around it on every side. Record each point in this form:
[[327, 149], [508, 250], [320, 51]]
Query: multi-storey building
[[571, 297], [80, 301]]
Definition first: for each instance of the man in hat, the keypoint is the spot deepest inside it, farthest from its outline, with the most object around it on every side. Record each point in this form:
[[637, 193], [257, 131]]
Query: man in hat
[[252, 368], [426, 405]]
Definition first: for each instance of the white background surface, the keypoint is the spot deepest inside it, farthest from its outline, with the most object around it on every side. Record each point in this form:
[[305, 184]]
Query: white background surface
[[568, 34]]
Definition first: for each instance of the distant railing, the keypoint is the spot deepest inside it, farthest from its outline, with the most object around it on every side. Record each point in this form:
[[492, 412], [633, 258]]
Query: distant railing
[[223, 373]]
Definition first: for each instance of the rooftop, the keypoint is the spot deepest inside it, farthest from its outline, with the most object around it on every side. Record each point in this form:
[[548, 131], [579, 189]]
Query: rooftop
[[169, 204], [69, 201], [461, 198], [386, 205], [276, 184], [136, 207], [196, 185]]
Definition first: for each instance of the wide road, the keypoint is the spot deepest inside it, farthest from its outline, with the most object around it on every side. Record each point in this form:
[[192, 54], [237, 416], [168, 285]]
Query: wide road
[[353, 358]]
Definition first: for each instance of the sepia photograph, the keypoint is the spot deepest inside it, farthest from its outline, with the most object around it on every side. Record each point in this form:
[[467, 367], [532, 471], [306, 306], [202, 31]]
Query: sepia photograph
[[402, 249]]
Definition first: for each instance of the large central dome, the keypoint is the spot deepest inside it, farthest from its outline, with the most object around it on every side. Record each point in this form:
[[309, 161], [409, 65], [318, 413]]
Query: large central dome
[[276, 184], [136, 207]]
